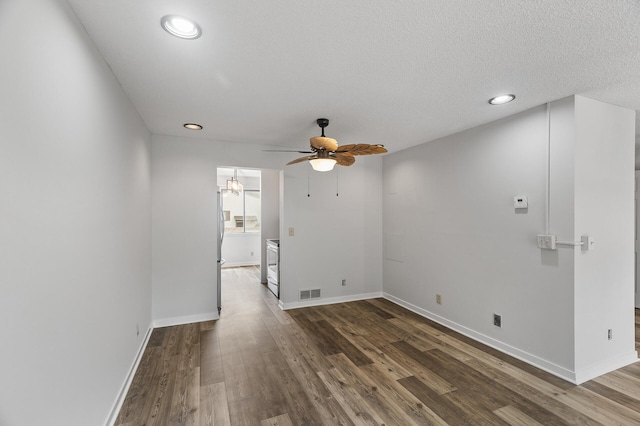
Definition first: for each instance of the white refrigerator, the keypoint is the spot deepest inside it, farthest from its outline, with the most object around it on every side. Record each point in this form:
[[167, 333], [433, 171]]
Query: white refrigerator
[[220, 260]]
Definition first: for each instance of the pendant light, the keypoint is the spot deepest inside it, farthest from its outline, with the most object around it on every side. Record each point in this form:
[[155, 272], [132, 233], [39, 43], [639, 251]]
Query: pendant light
[[233, 185]]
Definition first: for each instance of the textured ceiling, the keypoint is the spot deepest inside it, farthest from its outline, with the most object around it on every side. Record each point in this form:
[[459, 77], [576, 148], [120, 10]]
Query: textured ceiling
[[396, 72]]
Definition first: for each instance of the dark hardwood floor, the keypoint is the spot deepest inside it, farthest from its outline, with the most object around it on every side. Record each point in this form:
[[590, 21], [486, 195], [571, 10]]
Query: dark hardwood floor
[[367, 362]]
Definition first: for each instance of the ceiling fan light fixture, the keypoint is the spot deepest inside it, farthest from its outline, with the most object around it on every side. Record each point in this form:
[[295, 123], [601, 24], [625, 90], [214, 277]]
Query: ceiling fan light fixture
[[322, 164], [181, 27], [502, 99], [325, 152]]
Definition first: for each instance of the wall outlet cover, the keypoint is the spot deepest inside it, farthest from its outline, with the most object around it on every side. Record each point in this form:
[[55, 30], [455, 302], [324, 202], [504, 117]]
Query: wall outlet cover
[[520, 202], [546, 241], [497, 320]]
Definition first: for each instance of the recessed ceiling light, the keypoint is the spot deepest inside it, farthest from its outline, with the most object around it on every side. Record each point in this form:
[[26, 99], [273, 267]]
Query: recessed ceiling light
[[192, 126], [180, 26], [502, 99]]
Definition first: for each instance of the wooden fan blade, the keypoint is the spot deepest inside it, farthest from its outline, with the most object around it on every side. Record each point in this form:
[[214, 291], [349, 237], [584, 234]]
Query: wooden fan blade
[[301, 159], [344, 159], [321, 142], [361, 149], [286, 150]]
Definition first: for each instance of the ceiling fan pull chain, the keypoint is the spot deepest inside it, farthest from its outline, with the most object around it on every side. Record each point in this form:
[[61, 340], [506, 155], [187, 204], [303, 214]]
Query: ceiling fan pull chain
[[337, 182], [308, 178]]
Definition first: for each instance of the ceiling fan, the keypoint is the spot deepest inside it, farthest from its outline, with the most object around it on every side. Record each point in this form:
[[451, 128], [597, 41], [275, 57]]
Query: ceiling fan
[[325, 152]]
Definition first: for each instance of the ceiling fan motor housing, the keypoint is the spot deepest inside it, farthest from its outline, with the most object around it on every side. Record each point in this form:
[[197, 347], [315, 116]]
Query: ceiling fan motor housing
[[323, 143]]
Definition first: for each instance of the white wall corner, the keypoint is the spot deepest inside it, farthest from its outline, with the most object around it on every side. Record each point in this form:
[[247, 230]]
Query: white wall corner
[[605, 367], [604, 209]]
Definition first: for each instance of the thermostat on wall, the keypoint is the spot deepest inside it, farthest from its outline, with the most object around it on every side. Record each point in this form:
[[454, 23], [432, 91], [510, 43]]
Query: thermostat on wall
[[520, 202]]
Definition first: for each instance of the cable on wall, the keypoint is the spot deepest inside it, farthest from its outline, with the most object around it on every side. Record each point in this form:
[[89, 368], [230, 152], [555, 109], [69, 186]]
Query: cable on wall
[[570, 243], [547, 240], [547, 216]]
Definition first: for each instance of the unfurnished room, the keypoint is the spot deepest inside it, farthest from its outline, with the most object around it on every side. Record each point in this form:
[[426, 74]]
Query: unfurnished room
[[319, 212]]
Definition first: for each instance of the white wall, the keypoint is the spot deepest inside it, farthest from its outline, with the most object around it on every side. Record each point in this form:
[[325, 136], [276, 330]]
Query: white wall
[[604, 205], [74, 222], [335, 237], [241, 249], [451, 229], [450, 202]]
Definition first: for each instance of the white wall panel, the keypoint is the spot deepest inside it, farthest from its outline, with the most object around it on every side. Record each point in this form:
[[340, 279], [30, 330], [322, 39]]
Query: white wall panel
[[74, 222], [241, 249], [604, 200], [450, 202]]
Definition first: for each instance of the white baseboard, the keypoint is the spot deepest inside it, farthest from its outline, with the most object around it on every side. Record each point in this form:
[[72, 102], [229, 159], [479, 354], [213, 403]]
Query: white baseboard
[[540, 363], [605, 367], [329, 300], [167, 322], [228, 264], [113, 414]]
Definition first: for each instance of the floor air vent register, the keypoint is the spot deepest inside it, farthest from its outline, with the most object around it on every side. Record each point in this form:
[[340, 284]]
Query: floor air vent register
[[310, 294]]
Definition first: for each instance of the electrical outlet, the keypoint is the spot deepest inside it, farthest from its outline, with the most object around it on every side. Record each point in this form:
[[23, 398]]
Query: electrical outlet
[[610, 334], [497, 320], [292, 232], [520, 202], [439, 299], [344, 283], [547, 241]]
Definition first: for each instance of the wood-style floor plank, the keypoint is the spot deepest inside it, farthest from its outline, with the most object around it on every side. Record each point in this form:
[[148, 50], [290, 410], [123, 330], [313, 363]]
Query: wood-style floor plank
[[514, 417], [297, 360], [392, 405], [444, 408], [211, 368], [281, 420], [186, 397], [349, 398], [213, 410], [368, 362]]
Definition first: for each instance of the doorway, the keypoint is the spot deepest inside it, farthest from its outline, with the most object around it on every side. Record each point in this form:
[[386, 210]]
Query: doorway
[[249, 214]]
